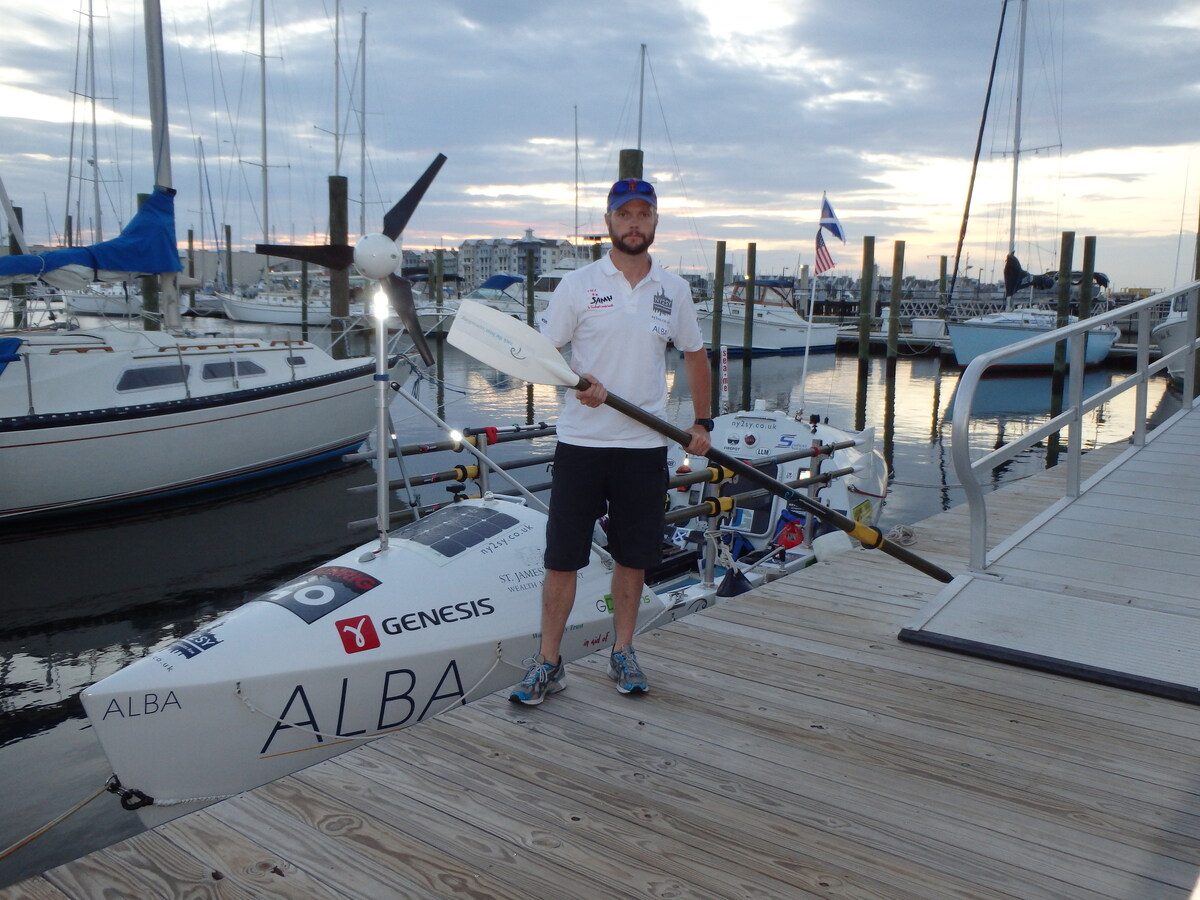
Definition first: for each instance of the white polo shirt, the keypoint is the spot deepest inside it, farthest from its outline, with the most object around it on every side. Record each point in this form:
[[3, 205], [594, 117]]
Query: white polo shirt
[[619, 334]]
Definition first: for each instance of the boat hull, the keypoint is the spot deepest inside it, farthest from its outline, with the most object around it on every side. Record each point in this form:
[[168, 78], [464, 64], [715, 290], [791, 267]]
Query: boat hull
[[776, 330], [275, 310], [155, 455], [359, 647], [973, 339], [1170, 334], [102, 417]]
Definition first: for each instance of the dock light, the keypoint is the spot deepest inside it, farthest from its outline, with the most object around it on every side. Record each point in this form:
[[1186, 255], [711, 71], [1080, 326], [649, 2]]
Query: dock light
[[456, 436], [380, 309]]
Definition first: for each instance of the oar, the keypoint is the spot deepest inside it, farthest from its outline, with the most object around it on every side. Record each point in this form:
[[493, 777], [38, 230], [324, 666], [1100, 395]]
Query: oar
[[504, 343]]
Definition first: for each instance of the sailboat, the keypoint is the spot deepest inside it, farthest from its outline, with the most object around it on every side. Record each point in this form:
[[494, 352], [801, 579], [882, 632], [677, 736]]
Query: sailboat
[[975, 336], [94, 417]]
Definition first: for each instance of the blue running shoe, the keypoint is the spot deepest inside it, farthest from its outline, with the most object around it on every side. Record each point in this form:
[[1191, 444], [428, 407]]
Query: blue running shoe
[[623, 668], [541, 679]]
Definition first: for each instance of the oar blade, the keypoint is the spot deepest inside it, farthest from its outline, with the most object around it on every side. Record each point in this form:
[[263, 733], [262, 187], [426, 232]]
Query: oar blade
[[504, 343]]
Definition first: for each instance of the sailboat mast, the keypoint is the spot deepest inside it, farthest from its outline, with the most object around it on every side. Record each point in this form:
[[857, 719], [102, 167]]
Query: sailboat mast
[[337, 88], [98, 228], [1012, 220], [262, 109], [362, 127], [160, 139], [641, 95], [576, 181]]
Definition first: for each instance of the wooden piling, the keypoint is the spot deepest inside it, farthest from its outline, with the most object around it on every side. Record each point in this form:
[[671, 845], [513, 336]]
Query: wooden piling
[[718, 289], [339, 279], [17, 289], [748, 326], [893, 324]]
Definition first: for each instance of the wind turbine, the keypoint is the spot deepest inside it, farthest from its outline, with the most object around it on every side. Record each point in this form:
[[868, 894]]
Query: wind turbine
[[341, 256]]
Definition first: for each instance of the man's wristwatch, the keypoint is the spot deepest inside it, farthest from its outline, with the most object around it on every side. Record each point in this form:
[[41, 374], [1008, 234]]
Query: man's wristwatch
[[706, 424]]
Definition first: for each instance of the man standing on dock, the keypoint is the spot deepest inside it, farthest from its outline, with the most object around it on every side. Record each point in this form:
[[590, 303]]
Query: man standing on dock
[[618, 314]]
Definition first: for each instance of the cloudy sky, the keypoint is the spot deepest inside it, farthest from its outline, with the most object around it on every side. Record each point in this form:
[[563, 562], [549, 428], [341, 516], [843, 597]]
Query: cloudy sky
[[750, 111]]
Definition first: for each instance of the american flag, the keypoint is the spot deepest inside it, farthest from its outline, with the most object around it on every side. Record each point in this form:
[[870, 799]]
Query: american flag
[[824, 260]]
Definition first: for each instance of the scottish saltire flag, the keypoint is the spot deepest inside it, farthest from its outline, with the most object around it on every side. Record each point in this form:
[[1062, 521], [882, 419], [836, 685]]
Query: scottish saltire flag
[[829, 220], [824, 260]]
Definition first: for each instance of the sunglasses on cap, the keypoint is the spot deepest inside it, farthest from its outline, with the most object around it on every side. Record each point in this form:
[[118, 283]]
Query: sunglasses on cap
[[631, 189]]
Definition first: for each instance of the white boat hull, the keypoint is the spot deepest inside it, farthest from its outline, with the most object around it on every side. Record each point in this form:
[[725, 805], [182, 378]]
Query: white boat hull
[[1170, 334], [269, 310], [77, 440], [354, 649], [776, 330], [973, 338], [123, 460], [110, 303]]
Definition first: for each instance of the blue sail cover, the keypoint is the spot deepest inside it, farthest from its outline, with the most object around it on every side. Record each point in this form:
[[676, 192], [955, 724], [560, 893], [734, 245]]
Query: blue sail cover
[[146, 246]]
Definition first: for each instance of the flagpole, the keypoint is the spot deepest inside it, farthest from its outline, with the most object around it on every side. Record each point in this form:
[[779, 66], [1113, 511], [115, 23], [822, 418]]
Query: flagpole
[[812, 291]]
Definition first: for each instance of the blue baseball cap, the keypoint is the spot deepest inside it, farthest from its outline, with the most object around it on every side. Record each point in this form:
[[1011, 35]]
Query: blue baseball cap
[[631, 189]]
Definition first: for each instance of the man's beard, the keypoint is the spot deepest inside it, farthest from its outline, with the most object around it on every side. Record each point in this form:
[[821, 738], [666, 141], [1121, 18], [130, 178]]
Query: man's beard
[[647, 240]]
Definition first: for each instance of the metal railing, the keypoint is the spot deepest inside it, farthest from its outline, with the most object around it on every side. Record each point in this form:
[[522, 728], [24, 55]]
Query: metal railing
[[1075, 405]]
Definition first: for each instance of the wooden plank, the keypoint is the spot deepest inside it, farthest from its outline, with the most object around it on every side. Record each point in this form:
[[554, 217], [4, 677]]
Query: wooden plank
[[36, 888]]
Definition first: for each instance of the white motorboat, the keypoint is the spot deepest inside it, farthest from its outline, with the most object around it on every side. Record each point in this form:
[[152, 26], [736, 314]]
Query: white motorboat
[[1171, 333], [778, 327], [93, 417], [108, 300], [981, 334], [547, 282], [497, 292]]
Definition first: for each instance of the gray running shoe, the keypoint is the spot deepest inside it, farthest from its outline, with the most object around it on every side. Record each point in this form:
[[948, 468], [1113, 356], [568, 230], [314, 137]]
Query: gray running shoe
[[541, 679], [623, 668]]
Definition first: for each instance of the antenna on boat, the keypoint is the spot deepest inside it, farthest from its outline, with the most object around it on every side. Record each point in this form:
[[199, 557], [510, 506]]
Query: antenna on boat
[[377, 256]]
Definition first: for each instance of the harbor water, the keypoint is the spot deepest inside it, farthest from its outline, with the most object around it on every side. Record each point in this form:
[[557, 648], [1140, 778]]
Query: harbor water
[[84, 596]]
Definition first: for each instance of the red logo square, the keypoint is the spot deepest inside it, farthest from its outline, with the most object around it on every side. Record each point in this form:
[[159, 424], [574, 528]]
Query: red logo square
[[357, 634]]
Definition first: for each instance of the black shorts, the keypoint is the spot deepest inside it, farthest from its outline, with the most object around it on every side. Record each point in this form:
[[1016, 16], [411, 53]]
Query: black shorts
[[630, 485]]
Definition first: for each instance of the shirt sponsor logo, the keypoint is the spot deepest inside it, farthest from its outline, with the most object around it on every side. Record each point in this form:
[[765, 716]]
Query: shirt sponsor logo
[[661, 304], [595, 301]]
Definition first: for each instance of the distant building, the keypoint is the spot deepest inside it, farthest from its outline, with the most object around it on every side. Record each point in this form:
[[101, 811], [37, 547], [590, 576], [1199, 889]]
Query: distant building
[[481, 258]]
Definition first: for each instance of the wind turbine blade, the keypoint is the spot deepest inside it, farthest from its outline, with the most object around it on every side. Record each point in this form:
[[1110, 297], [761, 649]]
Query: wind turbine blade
[[400, 295], [398, 216]]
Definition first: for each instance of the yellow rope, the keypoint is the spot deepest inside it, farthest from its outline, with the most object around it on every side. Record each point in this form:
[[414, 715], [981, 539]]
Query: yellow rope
[[4, 854]]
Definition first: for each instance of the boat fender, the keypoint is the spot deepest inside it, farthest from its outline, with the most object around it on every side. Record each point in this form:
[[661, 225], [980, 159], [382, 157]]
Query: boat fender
[[734, 583], [789, 531]]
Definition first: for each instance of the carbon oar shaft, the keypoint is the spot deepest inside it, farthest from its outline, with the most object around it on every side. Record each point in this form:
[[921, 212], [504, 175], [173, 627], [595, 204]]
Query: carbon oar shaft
[[868, 535]]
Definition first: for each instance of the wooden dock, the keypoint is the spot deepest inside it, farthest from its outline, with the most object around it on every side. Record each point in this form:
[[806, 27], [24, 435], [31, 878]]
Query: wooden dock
[[791, 747]]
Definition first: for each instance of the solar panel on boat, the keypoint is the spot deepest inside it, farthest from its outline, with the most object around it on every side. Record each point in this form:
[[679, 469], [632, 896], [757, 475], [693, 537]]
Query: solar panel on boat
[[453, 530]]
